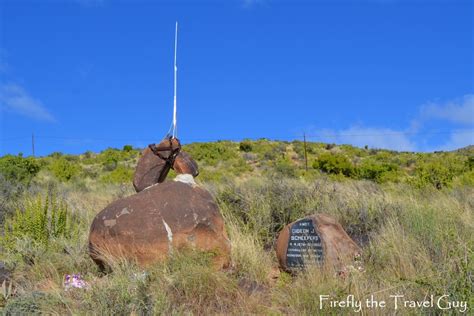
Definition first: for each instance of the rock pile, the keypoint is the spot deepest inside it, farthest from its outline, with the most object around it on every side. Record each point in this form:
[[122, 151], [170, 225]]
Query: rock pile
[[160, 218]]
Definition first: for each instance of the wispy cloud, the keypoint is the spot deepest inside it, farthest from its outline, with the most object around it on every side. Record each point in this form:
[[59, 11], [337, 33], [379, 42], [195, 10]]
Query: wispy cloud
[[457, 139], [371, 136], [460, 111], [16, 99]]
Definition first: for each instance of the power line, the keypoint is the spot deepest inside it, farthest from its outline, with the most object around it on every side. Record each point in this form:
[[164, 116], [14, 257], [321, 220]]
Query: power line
[[280, 137], [295, 136]]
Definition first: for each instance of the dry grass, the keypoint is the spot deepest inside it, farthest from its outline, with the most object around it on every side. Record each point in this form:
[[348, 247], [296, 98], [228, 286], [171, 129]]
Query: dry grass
[[416, 243]]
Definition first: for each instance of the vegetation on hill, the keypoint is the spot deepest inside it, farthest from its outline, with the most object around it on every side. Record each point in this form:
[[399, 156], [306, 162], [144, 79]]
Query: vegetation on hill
[[413, 214]]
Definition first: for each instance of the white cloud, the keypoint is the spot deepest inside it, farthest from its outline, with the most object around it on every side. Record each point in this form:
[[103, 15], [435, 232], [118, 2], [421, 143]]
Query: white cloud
[[373, 137], [14, 98], [458, 139], [460, 111]]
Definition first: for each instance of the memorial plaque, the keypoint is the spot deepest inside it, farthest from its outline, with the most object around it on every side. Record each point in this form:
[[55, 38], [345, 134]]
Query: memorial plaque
[[304, 245]]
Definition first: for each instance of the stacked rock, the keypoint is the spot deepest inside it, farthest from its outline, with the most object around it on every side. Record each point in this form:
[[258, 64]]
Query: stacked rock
[[147, 226]]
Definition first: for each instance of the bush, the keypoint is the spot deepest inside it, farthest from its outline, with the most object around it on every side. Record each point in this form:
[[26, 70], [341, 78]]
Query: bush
[[10, 193], [470, 163], [120, 175], [55, 155], [284, 167], [39, 221], [377, 171], [334, 164], [127, 148], [34, 303], [18, 169], [245, 146], [434, 174], [212, 153], [110, 158], [64, 170]]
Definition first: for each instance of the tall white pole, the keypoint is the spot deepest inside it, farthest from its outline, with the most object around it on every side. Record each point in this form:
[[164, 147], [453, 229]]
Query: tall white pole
[[175, 79]]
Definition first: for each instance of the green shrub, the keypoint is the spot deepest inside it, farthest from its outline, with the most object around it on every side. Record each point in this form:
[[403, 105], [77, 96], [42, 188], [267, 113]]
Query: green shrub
[[35, 303], [120, 175], [64, 170], [284, 167], [268, 150], [110, 158], [40, 220], [470, 163], [245, 146], [127, 148], [55, 155], [377, 171], [433, 174], [88, 154], [334, 163], [18, 169], [238, 167], [212, 153], [465, 179]]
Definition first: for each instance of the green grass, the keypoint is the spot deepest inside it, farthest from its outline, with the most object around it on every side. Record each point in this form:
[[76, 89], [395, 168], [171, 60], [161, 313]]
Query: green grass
[[416, 229]]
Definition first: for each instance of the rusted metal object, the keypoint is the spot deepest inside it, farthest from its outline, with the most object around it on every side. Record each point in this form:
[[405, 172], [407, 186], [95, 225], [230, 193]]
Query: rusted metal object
[[147, 226], [317, 240], [155, 163]]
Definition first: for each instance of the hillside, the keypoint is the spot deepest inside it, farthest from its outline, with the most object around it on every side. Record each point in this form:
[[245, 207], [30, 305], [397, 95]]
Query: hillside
[[412, 213], [225, 159]]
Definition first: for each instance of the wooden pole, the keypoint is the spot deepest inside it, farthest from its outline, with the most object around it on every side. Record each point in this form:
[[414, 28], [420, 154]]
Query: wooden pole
[[33, 144], [305, 154]]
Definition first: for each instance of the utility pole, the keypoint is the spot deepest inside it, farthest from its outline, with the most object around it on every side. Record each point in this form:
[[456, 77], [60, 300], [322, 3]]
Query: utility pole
[[305, 154], [33, 143]]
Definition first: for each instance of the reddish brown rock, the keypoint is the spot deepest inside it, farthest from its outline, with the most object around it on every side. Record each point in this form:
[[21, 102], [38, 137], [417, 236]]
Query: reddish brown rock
[[157, 160], [149, 225], [317, 240], [184, 164], [153, 167]]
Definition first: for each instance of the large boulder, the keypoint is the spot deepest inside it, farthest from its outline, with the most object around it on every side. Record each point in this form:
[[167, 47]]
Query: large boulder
[[317, 240], [149, 225]]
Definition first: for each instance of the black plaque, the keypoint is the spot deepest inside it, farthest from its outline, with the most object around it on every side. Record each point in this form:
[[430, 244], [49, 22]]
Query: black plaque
[[304, 245]]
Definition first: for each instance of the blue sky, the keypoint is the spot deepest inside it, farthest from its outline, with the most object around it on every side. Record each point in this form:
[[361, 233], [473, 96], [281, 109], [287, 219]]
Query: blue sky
[[89, 74]]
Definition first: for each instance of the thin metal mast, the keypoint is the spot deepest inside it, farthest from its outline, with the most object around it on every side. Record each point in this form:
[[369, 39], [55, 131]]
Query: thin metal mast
[[175, 81]]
